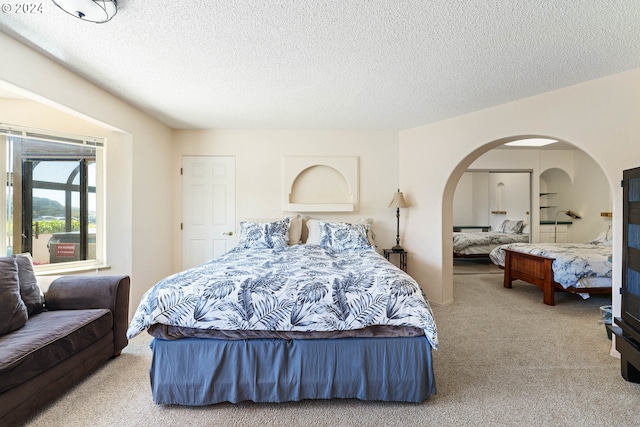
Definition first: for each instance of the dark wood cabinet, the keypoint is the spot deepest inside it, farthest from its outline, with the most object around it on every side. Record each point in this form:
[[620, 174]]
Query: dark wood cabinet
[[627, 326]]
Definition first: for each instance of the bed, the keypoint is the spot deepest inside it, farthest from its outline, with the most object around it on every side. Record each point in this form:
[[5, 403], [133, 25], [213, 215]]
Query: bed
[[581, 268], [480, 244], [273, 322]]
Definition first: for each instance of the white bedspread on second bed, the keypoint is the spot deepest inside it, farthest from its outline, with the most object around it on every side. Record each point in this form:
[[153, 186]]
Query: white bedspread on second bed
[[464, 241], [573, 262]]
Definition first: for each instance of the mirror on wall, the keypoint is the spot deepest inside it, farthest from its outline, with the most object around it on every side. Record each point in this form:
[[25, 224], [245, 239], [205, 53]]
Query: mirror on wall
[[485, 199]]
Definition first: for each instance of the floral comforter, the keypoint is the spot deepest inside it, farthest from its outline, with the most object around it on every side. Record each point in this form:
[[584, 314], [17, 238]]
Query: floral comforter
[[295, 288], [572, 261], [462, 241]]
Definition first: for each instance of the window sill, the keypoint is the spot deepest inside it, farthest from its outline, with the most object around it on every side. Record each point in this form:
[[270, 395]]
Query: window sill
[[60, 271]]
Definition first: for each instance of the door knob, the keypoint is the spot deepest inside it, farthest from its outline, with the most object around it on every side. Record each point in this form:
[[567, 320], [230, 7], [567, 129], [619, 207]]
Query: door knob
[[228, 233]]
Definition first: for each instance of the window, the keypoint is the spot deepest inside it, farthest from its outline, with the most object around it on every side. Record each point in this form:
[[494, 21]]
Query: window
[[53, 196]]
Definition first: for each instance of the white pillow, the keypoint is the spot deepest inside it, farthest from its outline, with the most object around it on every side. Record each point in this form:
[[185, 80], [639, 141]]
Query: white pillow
[[295, 230], [510, 227], [604, 238], [313, 226]]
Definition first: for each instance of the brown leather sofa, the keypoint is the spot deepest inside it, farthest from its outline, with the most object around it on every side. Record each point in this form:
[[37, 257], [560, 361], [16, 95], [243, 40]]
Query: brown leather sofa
[[83, 326]]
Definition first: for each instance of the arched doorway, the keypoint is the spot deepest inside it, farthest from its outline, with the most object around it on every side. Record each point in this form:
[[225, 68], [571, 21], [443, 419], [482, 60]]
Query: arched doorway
[[563, 179]]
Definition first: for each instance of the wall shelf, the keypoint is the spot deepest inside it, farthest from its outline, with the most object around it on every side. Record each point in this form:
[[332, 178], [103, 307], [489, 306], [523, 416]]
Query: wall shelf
[[545, 198], [320, 207]]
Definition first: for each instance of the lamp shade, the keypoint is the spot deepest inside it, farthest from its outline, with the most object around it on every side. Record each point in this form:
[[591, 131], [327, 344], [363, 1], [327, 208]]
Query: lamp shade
[[98, 11], [572, 214], [398, 201]]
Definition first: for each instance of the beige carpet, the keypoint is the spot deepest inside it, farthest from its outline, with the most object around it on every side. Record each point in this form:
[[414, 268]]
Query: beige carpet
[[505, 359], [475, 266]]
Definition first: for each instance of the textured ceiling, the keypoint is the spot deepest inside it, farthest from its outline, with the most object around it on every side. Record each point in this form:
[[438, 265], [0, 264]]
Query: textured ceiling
[[323, 64]]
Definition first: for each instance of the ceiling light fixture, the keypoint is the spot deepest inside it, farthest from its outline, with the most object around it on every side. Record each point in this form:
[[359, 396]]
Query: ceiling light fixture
[[531, 142], [97, 11]]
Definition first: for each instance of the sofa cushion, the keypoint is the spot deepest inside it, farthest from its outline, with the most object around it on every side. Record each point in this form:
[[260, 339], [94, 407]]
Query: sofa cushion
[[13, 312], [30, 292], [47, 339]]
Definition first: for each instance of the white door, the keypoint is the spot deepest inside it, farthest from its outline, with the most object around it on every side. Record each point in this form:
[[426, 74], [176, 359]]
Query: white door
[[208, 208]]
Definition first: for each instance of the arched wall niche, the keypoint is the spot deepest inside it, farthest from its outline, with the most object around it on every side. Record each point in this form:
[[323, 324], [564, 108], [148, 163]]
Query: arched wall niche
[[554, 182], [308, 188], [320, 184], [555, 173]]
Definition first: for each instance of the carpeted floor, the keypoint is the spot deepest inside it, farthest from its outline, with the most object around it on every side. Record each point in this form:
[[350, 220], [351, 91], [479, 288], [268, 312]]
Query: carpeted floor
[[505, 359], [475, 266]]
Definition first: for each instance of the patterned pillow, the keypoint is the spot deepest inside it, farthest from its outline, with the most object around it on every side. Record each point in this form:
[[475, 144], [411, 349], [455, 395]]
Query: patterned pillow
[[340, 236], [604, 238], [313, 228], [264, 234], [510, 227], [295, 226]]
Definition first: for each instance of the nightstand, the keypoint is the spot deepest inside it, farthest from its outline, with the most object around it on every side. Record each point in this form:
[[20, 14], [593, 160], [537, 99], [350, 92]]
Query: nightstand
[[402, 254]]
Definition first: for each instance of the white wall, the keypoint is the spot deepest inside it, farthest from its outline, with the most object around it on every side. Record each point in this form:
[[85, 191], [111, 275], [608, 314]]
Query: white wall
[[259, 172], [599, 117], [471, 200], [139, 205], [464, 210], [591, 196]]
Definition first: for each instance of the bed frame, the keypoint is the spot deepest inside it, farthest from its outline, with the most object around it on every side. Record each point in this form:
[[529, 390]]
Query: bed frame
[[537, 270], [470, 256], [206, 371]]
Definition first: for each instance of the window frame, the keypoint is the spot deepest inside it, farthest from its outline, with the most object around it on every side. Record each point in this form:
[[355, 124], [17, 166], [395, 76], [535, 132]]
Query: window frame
[[11, 131]]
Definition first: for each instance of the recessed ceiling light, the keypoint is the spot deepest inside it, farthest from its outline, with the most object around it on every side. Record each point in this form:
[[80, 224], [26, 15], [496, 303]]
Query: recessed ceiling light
[[531, 142]]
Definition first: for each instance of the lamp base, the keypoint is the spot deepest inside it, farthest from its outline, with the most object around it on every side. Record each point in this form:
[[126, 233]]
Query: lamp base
[[397, 248]]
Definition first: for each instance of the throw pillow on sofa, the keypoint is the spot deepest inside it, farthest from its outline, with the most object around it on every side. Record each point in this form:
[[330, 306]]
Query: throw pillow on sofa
[[29, 290], [13, 312]]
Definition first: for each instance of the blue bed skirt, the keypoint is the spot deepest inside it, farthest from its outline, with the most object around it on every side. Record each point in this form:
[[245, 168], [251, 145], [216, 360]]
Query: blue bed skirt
[[197, 371]]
